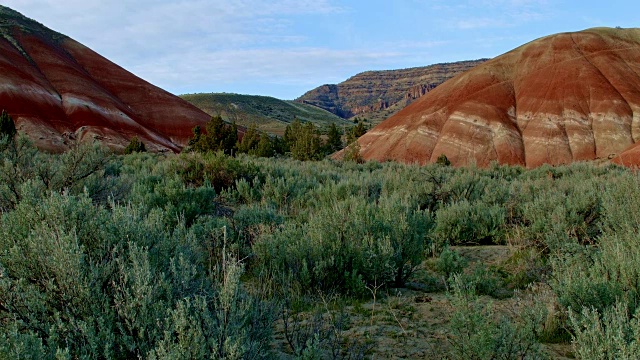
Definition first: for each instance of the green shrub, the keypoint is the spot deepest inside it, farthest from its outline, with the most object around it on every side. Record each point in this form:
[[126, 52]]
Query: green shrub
[[609, 335], [177, 201], [600, 279], [464, 184], [443, 160], [216, 169], [526, 266], [251, 223], [465, 223], [83, 281], [80, 169], [561, 213], [488, 281], [583, 282], [134, 146], [477, 333], [450, 262], [7, 126], [18, 165], [218, 136], [348, 246], [17, 344]]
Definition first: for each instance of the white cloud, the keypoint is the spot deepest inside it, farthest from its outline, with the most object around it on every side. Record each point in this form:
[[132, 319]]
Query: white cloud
[[124, 27], [206, 45], [192, 40], [298, 66], [486, 14]]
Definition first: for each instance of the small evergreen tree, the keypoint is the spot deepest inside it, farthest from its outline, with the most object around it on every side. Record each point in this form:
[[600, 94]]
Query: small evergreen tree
[[230, 138], [219, 136], [279, 145], [7, 126], [352, 153], [197, 132], [306, 144], [290, 134], [249, 141], [334, 139], [265, 146], [135, 145], [357, 131], [443, 160], [256, 143]]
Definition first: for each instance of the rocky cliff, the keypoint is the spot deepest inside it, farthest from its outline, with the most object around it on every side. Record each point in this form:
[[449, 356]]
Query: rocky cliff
[[59, 92], [378, 94], [563, 98]]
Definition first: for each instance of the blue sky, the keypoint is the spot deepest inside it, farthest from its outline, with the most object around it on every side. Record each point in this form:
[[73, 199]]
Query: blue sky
[[283, 48]]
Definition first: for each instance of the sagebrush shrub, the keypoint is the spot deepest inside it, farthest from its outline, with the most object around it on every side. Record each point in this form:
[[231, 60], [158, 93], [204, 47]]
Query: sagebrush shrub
[[349, 245], [464, 223], [478, 333], [612, 334], [81, 280]]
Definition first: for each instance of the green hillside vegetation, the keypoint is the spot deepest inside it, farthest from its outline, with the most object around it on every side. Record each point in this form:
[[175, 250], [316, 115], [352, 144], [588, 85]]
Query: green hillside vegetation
[[301, 141], [204, 255], [266, 113]]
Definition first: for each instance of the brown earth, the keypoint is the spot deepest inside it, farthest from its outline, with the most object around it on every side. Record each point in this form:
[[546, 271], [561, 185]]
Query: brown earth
[[59, 91], [562, 98], [376, 95]]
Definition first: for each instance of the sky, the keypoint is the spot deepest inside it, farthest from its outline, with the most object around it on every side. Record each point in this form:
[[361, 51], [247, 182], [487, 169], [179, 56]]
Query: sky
[[283, 48]]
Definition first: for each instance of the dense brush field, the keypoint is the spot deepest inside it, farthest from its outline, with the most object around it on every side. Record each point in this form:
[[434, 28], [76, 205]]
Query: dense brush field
[[208, 256]]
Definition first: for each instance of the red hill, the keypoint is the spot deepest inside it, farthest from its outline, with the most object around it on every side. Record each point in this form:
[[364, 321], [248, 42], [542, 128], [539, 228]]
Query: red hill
[[558, 99], [59, 91]]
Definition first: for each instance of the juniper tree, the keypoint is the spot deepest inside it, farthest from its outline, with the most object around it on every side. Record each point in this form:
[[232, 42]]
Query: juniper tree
[[7, 126], [135, 145]]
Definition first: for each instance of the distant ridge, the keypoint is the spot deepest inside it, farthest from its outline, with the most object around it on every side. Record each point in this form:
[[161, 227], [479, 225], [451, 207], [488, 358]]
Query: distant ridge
[[376, 95]]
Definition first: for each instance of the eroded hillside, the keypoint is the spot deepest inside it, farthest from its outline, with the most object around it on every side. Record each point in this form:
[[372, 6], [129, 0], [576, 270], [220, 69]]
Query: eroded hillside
[[59, 92]]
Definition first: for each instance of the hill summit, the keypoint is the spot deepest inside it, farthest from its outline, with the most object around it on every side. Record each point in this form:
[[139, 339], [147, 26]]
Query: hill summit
[[562, 98], [60, 92]]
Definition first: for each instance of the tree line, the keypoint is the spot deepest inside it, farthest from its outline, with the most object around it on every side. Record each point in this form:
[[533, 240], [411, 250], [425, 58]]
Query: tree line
[[301, 141]]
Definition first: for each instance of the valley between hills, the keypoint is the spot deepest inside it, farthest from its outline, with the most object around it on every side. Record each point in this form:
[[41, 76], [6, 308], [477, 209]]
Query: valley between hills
[[481, 209]]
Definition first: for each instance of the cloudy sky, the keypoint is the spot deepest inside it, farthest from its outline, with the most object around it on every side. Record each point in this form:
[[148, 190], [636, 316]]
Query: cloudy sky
[[283, 48]]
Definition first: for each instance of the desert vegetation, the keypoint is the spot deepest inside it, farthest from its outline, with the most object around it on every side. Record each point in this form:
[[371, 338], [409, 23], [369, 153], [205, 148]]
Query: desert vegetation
[[301, 141], [205, 255], [265, 113]]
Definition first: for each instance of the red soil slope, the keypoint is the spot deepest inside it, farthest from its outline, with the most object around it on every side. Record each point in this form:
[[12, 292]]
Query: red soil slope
[[562, 98], [59, 91]]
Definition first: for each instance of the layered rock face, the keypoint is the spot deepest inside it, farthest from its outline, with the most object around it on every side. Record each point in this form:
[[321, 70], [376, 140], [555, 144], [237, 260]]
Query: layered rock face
[[60, 92], [369, 93], [563, 98]]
